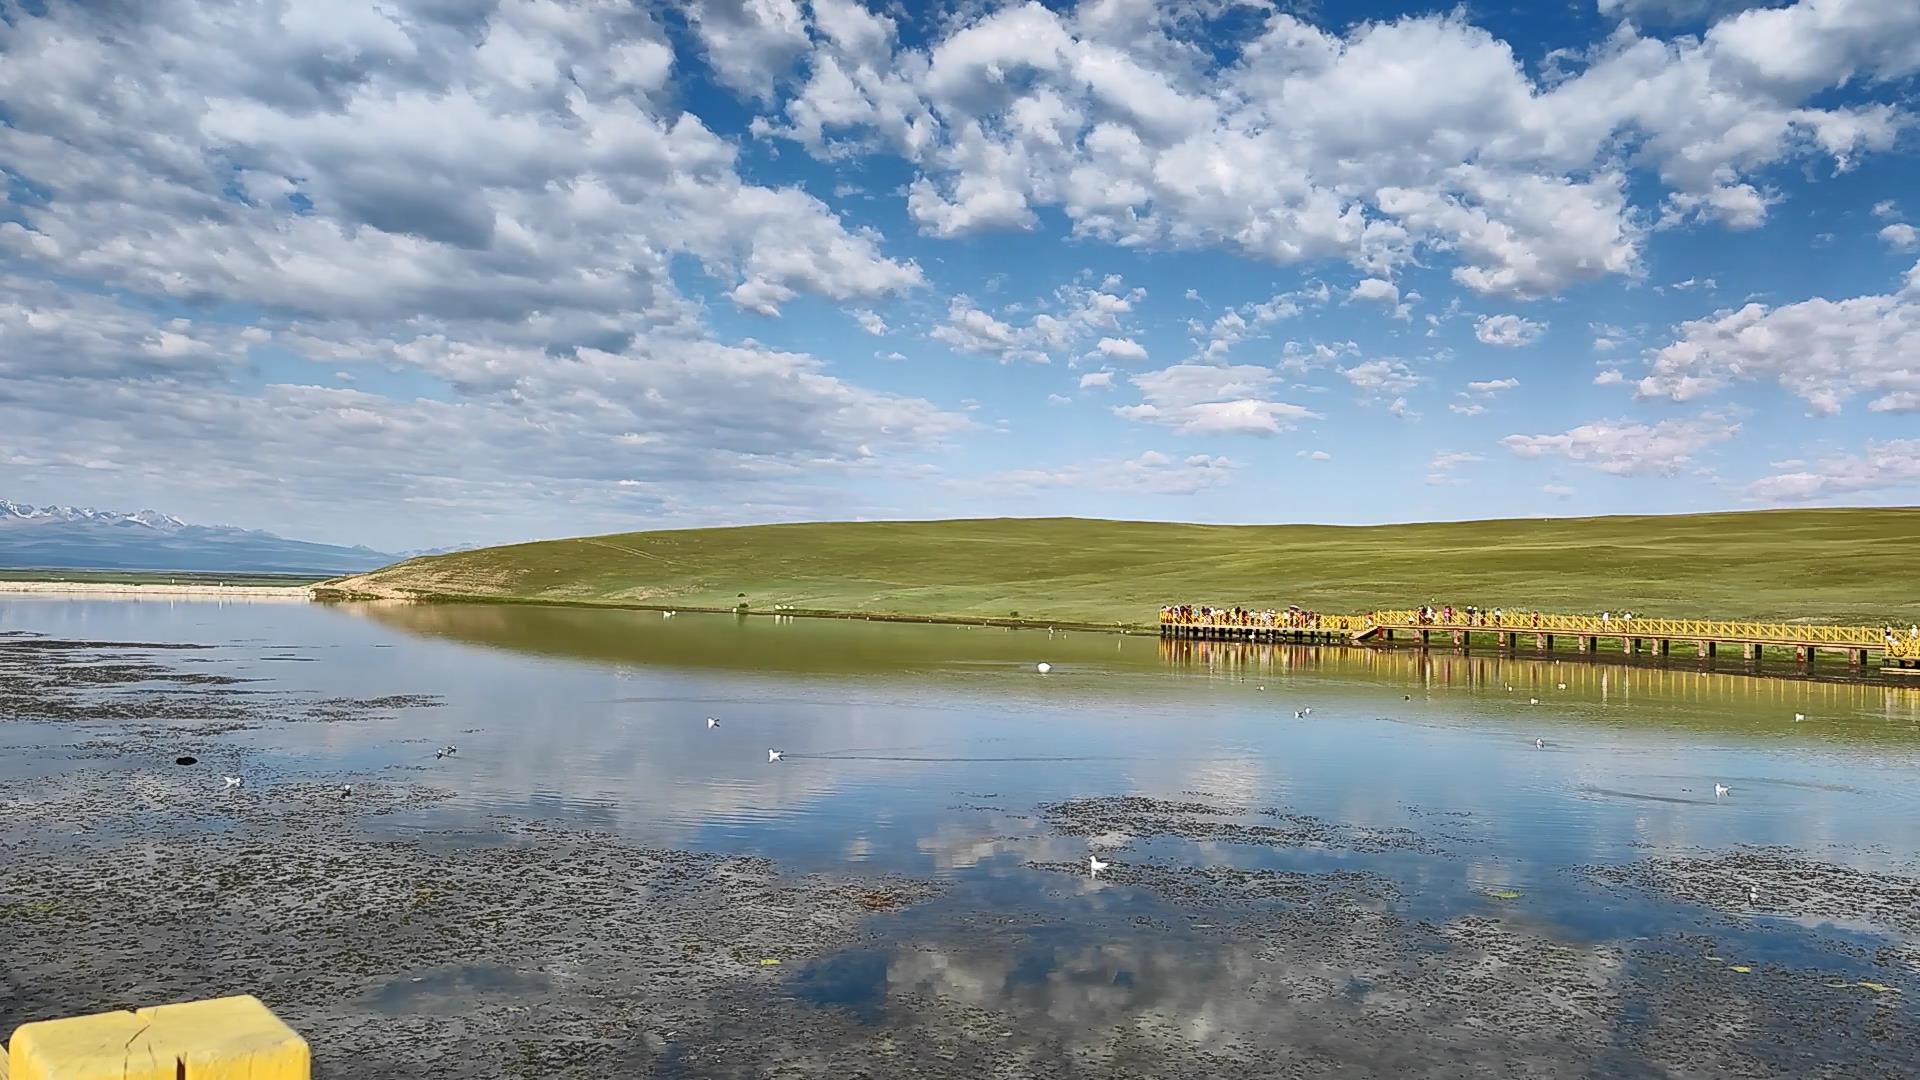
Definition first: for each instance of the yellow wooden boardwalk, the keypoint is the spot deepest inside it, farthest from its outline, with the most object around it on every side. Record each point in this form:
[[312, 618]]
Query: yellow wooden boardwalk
[[1898, 648]]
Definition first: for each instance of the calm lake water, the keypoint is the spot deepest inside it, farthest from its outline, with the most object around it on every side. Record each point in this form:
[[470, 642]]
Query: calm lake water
[[926, 750]]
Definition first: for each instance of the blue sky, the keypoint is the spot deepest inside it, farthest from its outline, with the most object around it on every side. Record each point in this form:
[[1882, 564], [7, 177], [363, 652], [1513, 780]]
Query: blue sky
[[423, 272]]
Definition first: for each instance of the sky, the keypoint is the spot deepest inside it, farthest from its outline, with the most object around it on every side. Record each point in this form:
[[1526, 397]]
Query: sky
[[413, 273]]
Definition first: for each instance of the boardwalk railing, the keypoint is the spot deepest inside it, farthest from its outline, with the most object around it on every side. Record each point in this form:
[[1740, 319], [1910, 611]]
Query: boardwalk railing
[[1856, 640]]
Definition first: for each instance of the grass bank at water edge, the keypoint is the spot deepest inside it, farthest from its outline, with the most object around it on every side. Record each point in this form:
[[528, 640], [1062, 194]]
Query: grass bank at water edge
[[1855, 566]]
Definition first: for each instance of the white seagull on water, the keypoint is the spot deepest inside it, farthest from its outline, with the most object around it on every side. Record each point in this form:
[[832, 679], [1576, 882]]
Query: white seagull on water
[[346, 790], [1094, 866], [1539, 744], [1043, 668], [1533, 701], [1721, 790], [774, 755], [232, 781], [1798, 717]]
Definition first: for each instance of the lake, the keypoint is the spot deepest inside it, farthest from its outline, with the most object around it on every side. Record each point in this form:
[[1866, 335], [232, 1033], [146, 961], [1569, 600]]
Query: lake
[[1522, 864]]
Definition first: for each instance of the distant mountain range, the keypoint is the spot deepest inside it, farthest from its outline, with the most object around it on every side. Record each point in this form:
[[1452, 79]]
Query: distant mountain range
[[73, 537]]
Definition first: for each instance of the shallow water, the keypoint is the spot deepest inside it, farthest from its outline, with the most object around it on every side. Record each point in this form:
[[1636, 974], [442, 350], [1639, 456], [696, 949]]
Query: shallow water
[[942, 752]]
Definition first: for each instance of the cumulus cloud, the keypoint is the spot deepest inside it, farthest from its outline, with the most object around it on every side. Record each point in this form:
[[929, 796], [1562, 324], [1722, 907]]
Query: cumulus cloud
[[1823, 351], [1379, 377], [1890, 465], [1508, 331], [1066, 319], [1299, 143], [871, 322], [1490, 387], [1200, 399], [749, 43], [487, 199], [1097, 380], [1315, 455], [1901, 236], [1629, 448], [1253, 320], [418, 161]]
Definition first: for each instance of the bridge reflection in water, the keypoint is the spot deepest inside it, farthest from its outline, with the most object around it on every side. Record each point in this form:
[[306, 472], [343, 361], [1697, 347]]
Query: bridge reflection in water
[[1519, 632]]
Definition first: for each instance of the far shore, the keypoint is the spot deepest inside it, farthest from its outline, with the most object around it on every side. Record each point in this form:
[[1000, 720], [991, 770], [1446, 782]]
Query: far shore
[[128, 589]]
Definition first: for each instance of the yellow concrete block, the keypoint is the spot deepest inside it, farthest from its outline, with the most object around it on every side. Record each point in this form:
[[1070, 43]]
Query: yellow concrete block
[[88, 1047], [233, 1038]]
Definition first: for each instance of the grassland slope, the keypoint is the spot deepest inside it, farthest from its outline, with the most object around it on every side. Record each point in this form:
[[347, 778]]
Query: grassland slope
[[1847, 565]]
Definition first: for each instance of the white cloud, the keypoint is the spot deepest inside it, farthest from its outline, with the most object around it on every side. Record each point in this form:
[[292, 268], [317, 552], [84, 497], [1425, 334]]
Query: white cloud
[[749, 43], [1490, 387], [1901, 236], [1066, 318], [1199, 399], [1304, 144], [1386, 294], [1628, 448], [1440, 471], [1558, 491], [1824, 351], [1382, 377], [1508, 331], [1376, 290], [870, 322], [1886, 209], [1059, 399], [1400, 409], [1097, 380], [1152, 473], [1891, 465], [1469, 408], [1123, 350], [969, 329], [1314, 455], [1252, 320], [1609, 377]]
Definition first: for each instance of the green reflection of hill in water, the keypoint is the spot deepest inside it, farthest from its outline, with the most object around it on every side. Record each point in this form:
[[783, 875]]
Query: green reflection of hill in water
[[1444, 686]]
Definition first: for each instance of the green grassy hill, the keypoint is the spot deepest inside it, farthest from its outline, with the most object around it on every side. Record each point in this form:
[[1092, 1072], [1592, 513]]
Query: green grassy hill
[[1854, 566]]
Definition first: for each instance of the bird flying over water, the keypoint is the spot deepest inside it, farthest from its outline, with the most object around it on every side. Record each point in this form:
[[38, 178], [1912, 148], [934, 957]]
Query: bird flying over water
[[1539, 744], [774, 755], [1720, 790], [232, 781], [1094, 866], [712, 723]]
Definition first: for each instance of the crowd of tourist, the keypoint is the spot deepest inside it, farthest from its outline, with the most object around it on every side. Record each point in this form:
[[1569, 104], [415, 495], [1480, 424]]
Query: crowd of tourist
[[1293, 618], [1298, 618]]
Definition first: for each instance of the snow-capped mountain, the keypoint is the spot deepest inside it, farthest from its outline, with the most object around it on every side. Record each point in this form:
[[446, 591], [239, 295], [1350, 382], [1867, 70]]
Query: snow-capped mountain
[[81, 537], [152, 519]]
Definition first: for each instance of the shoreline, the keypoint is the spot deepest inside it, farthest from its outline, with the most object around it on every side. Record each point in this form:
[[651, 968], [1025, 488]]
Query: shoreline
[[131, 589]]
